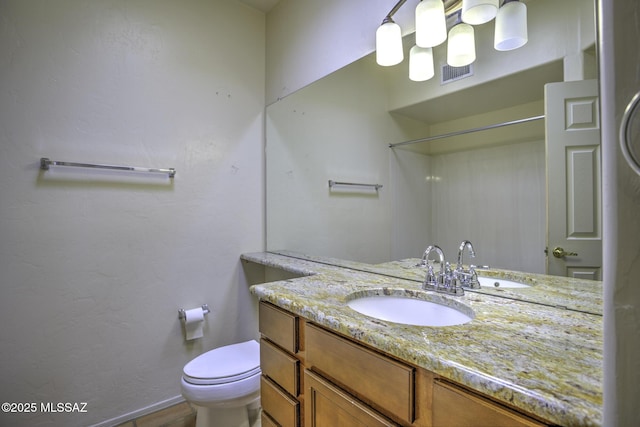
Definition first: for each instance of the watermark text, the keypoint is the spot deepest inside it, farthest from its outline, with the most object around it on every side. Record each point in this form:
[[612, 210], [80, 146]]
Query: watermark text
[[48, 407]]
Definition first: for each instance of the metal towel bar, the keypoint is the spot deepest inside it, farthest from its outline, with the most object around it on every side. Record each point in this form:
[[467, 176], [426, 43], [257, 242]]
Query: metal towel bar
[[332, 183], [45, 163]]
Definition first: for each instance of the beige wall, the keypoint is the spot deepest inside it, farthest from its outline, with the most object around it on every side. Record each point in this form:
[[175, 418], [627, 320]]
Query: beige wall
[[95, 265], [339, 129], [309, 39], [325, 132]]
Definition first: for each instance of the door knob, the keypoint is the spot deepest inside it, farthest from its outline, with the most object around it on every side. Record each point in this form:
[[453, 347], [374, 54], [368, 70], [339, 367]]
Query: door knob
[[558, 252]]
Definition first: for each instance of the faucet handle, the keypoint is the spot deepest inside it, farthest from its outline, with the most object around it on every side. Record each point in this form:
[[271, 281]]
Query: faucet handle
[[430, 280], [446, 275], [447, 267], [431, 276], [472, 280], [454, 281]]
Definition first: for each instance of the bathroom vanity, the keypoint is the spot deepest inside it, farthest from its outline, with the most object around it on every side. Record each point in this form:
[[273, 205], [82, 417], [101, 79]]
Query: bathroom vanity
[[514, 364]]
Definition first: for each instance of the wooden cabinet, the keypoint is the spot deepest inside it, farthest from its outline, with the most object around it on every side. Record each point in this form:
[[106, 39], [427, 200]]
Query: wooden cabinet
[[280, 366], [313, 377], [278, 404], [384, 383], [280, 354], [279, 326], [329, 406], [454, 406]]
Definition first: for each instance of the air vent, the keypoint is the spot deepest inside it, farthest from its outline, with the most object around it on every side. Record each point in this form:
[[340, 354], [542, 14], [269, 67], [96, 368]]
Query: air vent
[[451, 74]]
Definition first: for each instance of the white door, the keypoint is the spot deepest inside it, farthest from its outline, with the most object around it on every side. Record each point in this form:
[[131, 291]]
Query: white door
[[574, 211]]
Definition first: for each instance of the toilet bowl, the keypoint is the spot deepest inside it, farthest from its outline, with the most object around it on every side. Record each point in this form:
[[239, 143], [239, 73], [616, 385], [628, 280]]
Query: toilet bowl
[[224, 386]]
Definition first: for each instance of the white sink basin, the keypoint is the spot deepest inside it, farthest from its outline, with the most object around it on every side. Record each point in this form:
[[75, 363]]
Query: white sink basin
[[410, 311], [495, 282]]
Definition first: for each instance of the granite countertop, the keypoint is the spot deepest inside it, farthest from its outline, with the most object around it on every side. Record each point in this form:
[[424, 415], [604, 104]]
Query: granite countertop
[[562, 292], [541, 359]]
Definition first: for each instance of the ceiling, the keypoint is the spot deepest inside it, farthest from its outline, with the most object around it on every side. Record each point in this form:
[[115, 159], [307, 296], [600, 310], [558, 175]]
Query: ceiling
[[262, 5]]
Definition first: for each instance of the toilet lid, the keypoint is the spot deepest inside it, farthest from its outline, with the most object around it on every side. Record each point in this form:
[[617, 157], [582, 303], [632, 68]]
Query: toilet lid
[[224, 364]]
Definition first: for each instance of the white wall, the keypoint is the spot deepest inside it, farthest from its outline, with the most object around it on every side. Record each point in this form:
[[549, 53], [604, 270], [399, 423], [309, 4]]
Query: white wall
[[95, 265], [410, 188], [337, 129], [309, 39], [494, 197]]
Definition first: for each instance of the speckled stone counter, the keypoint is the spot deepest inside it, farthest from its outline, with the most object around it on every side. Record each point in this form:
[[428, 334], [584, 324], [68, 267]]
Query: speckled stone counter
[[541, 359], [561, 292]]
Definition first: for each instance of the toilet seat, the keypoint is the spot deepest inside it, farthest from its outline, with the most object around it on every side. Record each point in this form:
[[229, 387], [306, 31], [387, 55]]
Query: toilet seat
[[224, 365]]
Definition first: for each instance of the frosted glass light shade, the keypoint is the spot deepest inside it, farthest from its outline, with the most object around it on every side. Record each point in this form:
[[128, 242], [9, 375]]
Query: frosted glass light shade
[[431, 23], [420, 63], [476, 12], [389, 44], [461, 47], [511, 26]]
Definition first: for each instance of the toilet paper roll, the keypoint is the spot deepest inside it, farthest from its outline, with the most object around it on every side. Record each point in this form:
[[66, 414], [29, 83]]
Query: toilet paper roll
[[194, 323]]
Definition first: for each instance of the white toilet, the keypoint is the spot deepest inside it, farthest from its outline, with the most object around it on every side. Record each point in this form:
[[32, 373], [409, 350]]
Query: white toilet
[[224, 385]]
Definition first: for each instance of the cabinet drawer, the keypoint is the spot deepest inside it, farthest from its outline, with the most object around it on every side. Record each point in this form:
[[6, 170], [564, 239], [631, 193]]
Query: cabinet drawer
[[384, 383], [478, 411], [278, 405], [280, 367], [266, 420], [279, 326], [327, 405]]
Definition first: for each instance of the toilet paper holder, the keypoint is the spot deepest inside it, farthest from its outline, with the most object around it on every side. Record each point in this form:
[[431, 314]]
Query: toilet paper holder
[[182, 315]]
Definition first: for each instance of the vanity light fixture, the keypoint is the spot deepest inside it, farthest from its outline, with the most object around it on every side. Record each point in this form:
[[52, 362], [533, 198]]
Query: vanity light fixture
[[431, 23], [461, 46], [511, 26], [421, 63], [431, 18], [477, 12], [389, 49]]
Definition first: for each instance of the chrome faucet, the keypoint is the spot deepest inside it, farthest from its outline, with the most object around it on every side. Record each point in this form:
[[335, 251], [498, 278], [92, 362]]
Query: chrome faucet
[[423, 262], [466, 278], [445, 280], [465, 244], [440, 254]]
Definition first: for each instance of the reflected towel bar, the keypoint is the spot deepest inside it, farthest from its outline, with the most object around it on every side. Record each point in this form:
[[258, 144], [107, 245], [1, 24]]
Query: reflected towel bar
[[376, 186], [45, 163]]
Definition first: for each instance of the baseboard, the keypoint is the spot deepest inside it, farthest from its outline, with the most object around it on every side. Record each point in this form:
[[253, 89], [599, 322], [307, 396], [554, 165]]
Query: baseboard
[[141, 412]]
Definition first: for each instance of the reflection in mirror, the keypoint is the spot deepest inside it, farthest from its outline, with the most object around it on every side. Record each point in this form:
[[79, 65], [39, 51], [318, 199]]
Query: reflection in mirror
[[488, 186]]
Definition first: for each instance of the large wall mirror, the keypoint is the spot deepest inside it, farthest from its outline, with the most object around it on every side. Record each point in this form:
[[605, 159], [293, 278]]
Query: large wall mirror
[[488, 186]]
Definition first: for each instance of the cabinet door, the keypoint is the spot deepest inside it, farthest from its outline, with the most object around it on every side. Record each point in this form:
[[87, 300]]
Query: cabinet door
[[386, 384], [326, 405], [456, 407]]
